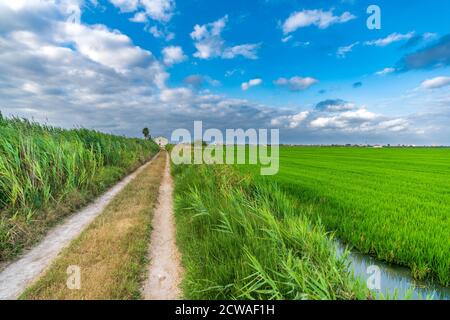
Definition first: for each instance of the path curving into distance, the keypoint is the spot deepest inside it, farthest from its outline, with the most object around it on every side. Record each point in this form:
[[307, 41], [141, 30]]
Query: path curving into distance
[[17, 276], [165, 271]]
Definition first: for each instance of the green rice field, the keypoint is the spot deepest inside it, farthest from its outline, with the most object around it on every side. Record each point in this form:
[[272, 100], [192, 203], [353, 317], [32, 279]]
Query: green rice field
[[393, 203]]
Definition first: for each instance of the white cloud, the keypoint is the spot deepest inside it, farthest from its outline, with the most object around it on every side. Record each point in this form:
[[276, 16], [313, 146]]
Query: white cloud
[[385, 71], [95, 77], [435, 83], [292, 121], [70, 71], [342, 51], [393, 37], [139, 17], [209, 43], [341, 119], [360, 120], [126, 5], [296, 83], [251, 83], [321, 19], [160, 33], [344, 119], [173, 55], [158, 10], [208, 40], [249, 51], [32, 87], [109, 48], [178, 95], [393, 125]]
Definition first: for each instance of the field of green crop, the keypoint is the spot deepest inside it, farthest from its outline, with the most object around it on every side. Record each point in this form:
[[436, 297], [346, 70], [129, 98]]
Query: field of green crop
[[246, 239], [46, 172], [393, 203]]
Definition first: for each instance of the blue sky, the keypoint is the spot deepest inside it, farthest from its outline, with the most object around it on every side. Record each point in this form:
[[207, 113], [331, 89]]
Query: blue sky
[[310, 68]]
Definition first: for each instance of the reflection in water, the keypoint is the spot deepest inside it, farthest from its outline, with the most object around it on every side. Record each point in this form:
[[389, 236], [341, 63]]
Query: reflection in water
[[394, 279]]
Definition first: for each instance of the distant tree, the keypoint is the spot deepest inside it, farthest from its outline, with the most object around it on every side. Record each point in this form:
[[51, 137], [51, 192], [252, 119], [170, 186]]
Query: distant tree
[[146, 133], [199, 142]]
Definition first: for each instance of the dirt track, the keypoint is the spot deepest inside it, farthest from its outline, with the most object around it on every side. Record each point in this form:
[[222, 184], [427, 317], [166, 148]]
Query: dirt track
[[164, 272], [16, 277]]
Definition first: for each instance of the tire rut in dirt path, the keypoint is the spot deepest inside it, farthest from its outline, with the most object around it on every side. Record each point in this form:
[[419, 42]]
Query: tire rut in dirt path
[[165, 271], [17, 276]]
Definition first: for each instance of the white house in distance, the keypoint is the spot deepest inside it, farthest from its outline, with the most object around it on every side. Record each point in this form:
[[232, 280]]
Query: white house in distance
[[161, 141]]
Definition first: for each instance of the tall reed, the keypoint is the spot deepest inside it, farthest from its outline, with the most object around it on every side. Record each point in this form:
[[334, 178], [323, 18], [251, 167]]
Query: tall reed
[[46, 172], [243, 238]]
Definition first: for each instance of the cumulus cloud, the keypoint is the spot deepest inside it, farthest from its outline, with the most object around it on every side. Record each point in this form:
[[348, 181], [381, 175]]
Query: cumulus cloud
[[340, 118], [160, 32], [319, 18], [72, 73], [178, 95], [296, 83], [435, 83], [158, 10], [393, 37], [139, 17], [209, 43], [126, 5], [350, 120], [290, 121], [96, 77], [432, 56], [251, 83], [359, 121], [107, 47], [173, 55], [248, 51], [147, 11]]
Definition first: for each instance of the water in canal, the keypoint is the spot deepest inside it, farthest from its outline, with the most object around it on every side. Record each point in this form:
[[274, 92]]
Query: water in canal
[[394, 279]]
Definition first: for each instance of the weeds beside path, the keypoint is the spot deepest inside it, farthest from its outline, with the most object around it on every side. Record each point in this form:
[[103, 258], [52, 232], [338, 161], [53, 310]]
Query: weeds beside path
[[111, 252], [243, 238], [47, 173]]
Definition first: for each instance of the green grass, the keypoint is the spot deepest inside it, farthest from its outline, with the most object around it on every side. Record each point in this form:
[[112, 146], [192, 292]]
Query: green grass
[[246, 239], [393, 203], [47, 172]]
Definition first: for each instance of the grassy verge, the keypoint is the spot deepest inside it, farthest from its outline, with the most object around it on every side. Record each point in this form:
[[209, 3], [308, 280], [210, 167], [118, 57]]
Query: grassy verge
[[246, 239], [47, 173], [111, 253]]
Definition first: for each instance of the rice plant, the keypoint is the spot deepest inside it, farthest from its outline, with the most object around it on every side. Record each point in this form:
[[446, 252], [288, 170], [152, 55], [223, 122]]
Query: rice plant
[[392, 203]]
